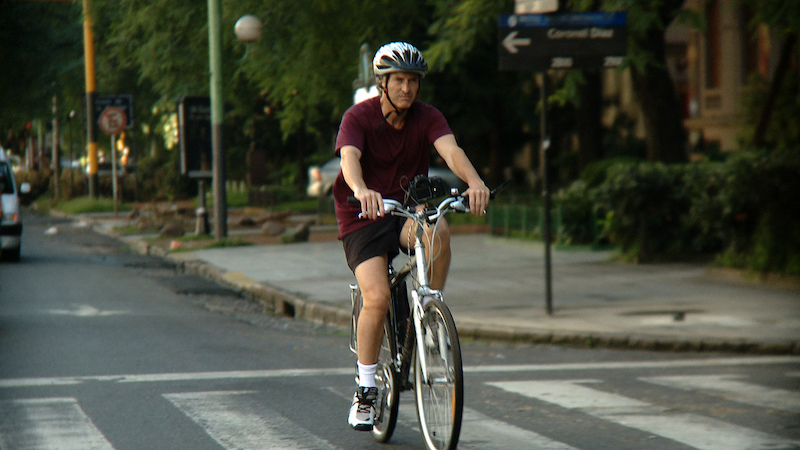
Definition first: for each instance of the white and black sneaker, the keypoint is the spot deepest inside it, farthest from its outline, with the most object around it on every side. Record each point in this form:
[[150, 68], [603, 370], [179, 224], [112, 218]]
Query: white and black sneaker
[[362, 413]]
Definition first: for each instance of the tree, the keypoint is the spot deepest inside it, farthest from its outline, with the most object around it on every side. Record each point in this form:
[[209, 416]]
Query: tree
[[41, 50], [665, 134], [785, 17], [487, 109]]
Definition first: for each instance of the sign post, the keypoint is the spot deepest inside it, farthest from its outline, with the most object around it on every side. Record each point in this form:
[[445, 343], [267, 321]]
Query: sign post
[[542, 42], [115, 114], [194, 126]]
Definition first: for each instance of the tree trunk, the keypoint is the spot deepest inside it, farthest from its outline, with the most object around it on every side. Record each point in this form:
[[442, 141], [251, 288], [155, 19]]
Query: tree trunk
[[588, 116], [666, 138], [775, 85]]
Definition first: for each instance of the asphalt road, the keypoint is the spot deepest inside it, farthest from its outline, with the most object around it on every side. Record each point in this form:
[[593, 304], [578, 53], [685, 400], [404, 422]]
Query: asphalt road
[[103, 348]]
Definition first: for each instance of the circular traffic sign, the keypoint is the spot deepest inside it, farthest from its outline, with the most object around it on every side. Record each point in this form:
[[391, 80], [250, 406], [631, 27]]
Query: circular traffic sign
[[113, 120]]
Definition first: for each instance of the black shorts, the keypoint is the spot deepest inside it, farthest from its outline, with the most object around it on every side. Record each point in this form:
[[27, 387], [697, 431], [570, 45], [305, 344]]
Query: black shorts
[[376, 239]]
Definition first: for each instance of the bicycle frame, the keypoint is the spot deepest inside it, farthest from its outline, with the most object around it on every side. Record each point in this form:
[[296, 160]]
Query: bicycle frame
[[419, 265], [434, 349]]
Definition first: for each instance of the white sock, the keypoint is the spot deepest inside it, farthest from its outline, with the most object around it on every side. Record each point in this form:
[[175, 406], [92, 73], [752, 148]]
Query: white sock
[[366, 374]]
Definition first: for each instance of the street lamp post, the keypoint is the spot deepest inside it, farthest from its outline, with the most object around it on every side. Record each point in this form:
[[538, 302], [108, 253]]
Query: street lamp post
[[215, 88]]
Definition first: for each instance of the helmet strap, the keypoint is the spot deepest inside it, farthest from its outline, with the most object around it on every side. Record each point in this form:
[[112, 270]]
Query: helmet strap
[[385, 89]]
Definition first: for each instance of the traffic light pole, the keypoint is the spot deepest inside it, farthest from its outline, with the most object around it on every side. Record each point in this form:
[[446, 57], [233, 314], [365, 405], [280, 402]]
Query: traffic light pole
[[91, 94]]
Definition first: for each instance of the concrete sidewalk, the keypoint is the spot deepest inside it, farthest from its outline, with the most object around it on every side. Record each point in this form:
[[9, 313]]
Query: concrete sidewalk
[[496, 291]]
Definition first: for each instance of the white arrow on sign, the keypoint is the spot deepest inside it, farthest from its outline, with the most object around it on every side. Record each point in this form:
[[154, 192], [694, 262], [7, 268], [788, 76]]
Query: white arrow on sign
[[511, 42]]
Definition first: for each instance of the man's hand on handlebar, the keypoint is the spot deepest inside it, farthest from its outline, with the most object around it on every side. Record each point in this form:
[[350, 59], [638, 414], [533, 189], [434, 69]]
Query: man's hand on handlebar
[[371, 203], [478, 199]]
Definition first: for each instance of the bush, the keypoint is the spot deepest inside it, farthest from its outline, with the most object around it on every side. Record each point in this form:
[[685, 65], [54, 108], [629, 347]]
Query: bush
[[744, 208], [578, 220], [702, 185], [643, 205], [760, 211]]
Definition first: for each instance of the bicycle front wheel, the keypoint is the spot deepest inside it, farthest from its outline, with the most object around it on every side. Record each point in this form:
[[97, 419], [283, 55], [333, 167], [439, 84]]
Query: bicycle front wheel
[[439, 389], [387, 380]]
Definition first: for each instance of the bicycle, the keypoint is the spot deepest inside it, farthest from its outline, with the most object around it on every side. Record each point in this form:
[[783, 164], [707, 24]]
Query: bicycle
[[429, 340]]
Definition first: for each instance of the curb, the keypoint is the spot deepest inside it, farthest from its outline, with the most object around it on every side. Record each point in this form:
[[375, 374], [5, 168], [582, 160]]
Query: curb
[[281, 303]]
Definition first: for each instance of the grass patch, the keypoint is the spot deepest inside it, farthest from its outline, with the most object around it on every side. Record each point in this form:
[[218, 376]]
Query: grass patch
[[306, 205], [467, 219], [80, 205], [229, 242]]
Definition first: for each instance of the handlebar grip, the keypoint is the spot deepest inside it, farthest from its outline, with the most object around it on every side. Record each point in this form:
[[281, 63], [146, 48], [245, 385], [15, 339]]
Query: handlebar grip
[[493, 192]]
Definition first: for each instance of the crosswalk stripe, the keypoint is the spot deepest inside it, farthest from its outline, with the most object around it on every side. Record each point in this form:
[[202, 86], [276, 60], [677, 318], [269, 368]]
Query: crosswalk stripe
[[481, 432], [348, 371], [690, 429], [48, 423], [731, 389], [237, 423]]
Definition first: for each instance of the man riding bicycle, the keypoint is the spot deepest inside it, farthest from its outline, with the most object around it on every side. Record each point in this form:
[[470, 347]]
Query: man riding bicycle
[[384, 142]]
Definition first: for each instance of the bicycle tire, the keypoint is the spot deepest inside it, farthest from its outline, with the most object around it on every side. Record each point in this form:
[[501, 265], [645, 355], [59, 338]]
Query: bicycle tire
[[440, 401], [387, 380]]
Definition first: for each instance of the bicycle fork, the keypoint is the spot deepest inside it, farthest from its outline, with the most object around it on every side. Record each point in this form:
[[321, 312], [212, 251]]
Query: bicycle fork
[[425, 339]]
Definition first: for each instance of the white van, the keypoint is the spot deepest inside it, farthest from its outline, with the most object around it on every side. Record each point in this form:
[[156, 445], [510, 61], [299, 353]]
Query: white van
[[10, 220]]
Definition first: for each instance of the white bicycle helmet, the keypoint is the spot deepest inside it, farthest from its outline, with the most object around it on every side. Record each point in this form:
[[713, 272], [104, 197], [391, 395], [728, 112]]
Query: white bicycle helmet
[[399, 57]]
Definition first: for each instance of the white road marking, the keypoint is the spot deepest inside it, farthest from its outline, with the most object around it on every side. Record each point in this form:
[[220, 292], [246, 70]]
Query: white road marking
[[481, 432], [626, 365], [279, 373], [86, 311], [729, 388], [172, 377], [48, 424], [235, 422], [690, 429]]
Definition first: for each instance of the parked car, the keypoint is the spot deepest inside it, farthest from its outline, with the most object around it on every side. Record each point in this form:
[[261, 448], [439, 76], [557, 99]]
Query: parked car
[[10, 220], [321, 178]]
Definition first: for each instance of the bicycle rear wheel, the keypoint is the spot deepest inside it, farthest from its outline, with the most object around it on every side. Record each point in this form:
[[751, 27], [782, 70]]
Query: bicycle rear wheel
[[440, 397], [387, 380]]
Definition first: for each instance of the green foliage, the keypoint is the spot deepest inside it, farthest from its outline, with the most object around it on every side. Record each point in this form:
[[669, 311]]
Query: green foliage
[[702, 185], [783, 133], [645, 208], [761, 210], [41, 49], [578, 219], [743, 209], [86, 205], [161, 178], [776, 13]]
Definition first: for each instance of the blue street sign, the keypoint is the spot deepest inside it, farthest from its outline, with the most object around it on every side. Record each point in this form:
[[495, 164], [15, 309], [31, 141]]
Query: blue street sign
[[562, 41]]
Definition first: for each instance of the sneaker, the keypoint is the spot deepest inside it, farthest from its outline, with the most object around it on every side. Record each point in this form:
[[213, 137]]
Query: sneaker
[[362, 413]]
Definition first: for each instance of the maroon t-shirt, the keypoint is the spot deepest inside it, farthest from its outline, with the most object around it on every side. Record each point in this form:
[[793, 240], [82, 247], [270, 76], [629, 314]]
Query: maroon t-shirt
[[390, 158]]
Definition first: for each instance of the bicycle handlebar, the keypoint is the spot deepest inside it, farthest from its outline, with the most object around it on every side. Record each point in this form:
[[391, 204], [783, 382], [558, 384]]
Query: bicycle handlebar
[[458, 203]]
